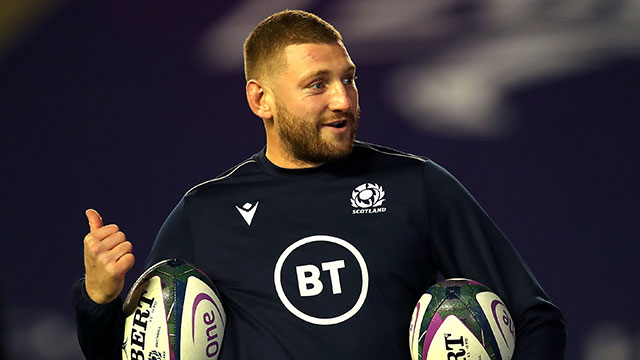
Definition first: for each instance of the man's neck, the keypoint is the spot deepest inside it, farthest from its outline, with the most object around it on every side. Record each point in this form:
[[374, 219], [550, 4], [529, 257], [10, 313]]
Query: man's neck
[[287, 161]]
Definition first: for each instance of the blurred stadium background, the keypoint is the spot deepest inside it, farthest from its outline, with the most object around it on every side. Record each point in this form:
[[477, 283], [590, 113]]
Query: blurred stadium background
[[123, 106]]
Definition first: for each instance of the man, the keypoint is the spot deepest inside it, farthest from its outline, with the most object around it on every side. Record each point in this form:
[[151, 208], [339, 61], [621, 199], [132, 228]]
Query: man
[[319, 245]]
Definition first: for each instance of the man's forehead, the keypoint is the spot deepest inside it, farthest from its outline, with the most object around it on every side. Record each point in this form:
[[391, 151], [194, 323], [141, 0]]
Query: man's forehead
[[314, 57]]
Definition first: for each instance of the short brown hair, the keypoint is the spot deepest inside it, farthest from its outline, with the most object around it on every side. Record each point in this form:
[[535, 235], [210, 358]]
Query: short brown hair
[[267, 41]]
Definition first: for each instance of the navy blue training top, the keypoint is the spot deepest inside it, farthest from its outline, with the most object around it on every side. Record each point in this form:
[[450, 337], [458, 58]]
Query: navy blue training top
[[329, 262]]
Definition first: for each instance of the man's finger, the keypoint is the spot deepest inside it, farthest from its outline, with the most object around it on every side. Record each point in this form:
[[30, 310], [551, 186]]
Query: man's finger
[[125, 262], [95, 221], [120, 250], [112, 240]]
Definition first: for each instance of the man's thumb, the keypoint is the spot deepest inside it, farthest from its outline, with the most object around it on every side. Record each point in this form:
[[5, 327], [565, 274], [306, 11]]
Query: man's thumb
[[95, 221]]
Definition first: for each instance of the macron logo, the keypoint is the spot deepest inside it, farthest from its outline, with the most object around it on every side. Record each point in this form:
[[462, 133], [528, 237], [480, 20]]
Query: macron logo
[[247, 211]]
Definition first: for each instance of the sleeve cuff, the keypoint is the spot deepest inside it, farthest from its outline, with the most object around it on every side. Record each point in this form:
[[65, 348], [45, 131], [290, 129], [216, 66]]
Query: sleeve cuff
[[84, 304]]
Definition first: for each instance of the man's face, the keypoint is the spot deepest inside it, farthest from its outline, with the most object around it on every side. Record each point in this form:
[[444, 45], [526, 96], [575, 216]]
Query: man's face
[[316, 102]]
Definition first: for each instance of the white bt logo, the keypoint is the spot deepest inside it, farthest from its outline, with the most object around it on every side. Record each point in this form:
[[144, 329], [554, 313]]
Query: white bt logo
[[309, 278], [321, 279]]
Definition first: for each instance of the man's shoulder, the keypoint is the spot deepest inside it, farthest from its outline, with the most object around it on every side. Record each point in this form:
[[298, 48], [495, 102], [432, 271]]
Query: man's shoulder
[[233, 175], [365, 150]]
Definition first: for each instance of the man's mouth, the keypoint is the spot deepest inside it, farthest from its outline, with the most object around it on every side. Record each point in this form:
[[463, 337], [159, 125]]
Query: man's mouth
[[337, 124]]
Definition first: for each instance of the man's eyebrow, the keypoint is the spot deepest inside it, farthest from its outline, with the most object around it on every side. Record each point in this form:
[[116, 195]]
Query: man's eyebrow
[[351, 68], [314, 74]]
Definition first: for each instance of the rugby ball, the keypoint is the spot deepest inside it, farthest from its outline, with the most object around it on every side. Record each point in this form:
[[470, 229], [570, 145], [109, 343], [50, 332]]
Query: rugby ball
[[173, 312], [461, 319]]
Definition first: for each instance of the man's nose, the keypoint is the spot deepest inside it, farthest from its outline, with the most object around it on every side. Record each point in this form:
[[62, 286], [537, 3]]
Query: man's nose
[[340, 100]]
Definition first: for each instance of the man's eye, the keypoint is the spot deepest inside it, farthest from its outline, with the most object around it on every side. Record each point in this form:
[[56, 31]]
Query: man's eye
[[317, 85], [350, 80]]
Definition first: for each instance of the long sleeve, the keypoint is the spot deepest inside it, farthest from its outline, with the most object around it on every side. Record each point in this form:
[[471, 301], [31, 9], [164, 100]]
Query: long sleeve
[[99, 326], [466, 243]]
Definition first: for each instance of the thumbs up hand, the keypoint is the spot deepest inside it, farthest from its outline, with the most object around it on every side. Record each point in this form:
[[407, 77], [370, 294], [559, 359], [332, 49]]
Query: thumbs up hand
[[107, 258]]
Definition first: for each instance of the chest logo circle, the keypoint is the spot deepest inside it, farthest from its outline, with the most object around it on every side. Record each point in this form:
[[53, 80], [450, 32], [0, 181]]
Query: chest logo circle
[[321, 279]]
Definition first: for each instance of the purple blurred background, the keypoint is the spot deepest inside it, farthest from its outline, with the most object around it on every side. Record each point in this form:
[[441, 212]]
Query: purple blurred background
[[123, 106]]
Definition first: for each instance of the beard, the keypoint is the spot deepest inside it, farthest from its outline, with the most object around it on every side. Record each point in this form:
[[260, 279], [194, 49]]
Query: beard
[[303, 139]]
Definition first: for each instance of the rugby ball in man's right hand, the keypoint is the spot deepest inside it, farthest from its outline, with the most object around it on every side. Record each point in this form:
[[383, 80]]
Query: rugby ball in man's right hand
[[461, 319], [173, 312]]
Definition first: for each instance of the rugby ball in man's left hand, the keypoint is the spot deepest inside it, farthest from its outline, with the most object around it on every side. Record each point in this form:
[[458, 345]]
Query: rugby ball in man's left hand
[[461, 319], [173, 312]]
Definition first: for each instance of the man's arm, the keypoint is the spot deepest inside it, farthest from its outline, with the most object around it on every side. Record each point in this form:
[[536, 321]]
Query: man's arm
[[466, 243], [99, 315], [107, 258]]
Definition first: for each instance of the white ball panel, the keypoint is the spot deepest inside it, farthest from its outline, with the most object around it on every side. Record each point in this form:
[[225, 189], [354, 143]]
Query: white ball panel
[[146, 327], [203, 321], [453, 340], [501, 322]]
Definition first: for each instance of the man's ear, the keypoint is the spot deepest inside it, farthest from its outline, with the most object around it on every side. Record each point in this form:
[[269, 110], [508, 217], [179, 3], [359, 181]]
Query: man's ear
[[257, 97]]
